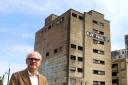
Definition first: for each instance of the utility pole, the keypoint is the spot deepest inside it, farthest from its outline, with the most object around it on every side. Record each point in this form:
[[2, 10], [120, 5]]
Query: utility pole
[[8, 76], [4, 76]]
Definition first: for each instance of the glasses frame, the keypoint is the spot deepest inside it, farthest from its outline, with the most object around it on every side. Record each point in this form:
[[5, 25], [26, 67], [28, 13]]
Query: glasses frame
[[35, 59]]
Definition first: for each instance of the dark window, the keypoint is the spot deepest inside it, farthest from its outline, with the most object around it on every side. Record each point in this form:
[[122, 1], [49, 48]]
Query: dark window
[[98, 61], [95, 22], [73, 57], [80, 17], [98, 42], [73, 46], [100, 32], [115, 81], [95, 72], [102, 83], [101, 42], [98, 51], [114, 65], [98, 82], [102, 62], [114, 73], [95, 50], [55, 50], [49, 27], [98, 72], [80, 59], [79, 70], [47, 54], [74, 15], [80, 48]]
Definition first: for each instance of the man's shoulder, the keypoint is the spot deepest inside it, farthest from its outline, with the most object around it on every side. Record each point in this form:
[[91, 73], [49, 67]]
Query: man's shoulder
[[43, 79], [21, 72], [42, 76]]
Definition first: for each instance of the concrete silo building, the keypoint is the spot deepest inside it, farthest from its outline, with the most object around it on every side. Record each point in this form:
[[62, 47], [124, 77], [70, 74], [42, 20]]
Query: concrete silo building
[[76, 47]]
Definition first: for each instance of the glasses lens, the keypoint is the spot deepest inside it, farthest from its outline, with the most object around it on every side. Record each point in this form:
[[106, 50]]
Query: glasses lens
[[31, 59]]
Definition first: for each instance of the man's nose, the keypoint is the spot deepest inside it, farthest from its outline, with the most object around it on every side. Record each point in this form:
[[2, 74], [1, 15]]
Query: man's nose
[[33, 60]]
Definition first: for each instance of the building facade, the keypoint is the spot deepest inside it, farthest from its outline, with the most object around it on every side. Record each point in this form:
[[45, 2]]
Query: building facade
[[119, 54], [119, 71], [126, 41], [76, 48]]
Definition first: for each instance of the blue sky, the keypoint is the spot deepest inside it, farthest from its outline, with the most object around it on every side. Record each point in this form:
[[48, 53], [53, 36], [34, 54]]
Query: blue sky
[[20, 19]]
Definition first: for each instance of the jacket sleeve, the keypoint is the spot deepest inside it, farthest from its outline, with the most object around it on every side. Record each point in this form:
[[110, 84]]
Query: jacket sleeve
[[13, 80]]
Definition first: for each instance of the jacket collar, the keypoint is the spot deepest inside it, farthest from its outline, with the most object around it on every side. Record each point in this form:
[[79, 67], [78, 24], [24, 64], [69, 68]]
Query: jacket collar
[[25, 77]]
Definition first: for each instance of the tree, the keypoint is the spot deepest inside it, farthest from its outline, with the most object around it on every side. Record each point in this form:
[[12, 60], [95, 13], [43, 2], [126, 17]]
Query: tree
[[1, 80]]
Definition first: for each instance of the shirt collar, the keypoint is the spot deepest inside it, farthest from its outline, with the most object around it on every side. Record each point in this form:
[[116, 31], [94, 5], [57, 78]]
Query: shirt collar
[[30, 74]]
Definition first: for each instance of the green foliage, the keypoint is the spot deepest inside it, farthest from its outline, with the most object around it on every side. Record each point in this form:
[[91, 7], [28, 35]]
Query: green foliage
[[1, 80]]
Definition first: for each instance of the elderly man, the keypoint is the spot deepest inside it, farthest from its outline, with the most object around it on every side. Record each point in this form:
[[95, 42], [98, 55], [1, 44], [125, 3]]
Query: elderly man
[[30, 75]]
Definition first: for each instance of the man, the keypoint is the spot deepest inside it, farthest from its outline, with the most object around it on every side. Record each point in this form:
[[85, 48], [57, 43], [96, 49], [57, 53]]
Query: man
[[30, 75]]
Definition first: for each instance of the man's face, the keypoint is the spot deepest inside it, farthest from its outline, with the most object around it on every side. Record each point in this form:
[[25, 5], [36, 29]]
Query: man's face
[[33, 61]]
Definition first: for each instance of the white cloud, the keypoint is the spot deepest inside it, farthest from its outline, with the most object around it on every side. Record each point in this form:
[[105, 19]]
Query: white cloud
[[27, 36], [43, 7], [17, 67], [26, 6], [3, 67], [17, 50]]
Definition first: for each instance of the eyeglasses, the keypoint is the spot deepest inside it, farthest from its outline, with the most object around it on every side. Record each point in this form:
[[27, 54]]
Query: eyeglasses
[[31, 59]]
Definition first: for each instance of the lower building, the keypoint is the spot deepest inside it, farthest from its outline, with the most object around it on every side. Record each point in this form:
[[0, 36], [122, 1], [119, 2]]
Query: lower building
[[120, 71], [119, 54]]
